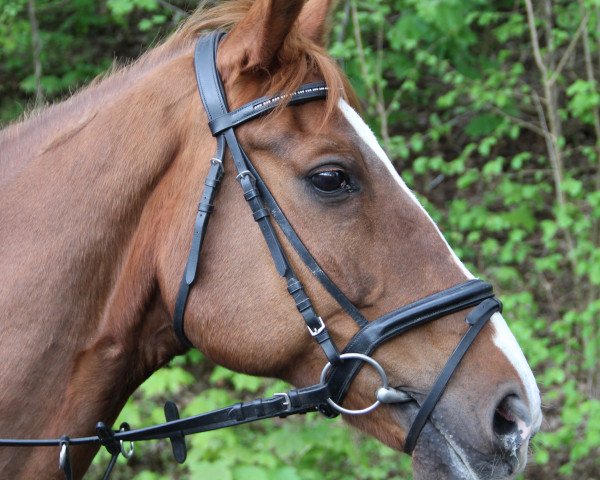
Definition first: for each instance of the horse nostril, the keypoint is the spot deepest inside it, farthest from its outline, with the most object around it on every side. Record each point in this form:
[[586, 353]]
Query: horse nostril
[[511, 419], [504, 420]]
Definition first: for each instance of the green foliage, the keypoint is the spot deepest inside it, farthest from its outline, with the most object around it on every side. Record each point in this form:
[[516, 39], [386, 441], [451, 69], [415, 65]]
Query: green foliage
[[454, 91], [79, 40]]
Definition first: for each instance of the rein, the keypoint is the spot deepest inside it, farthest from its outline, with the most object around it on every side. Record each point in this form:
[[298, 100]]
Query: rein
[[341, 368]]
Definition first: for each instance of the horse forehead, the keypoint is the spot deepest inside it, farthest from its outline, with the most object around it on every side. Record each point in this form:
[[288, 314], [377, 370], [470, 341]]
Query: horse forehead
[[301, 129]]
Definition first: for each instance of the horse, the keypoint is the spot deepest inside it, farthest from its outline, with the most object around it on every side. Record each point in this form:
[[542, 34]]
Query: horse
[[99, 195]]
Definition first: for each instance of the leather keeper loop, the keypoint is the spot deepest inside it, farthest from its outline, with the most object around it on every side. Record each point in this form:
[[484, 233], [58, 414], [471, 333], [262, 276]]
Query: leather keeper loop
[[205, 207], [236, 413], [294, 286], [251, 194], [303, 305], [260, 214]]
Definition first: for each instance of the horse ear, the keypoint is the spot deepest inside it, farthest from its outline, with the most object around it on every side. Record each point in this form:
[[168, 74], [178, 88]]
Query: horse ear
[[315, 20], [254, 42]]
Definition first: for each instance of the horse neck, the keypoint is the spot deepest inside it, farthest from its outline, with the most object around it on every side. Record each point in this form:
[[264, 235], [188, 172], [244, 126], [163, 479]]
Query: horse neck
[[75, 244]]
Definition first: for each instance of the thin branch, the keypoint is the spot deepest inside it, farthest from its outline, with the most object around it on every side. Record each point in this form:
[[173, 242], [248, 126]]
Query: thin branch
[[553, 126], [52, 6], [379, 105], [395, 97], [548, 27], [519, 121], [342, 32], [381, 108], [561, 64], [595, 231], [534, 39]]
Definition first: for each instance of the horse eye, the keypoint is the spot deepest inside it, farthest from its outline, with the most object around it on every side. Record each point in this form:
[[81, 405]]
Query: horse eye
[[330, 181]]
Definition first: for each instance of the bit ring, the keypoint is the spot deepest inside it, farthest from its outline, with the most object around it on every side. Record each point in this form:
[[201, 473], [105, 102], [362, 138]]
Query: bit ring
[[375, 365]]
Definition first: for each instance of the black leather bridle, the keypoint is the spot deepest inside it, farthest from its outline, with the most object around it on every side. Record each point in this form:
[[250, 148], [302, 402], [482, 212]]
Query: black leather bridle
[[341, 369]]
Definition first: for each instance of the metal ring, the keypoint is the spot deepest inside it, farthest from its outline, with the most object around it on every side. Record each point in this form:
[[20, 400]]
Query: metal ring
[[62, 457], [370, 361], [126, 453]]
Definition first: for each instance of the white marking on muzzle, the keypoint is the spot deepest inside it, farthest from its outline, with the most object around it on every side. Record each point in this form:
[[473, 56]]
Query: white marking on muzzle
[[503, 337], [507, 343]]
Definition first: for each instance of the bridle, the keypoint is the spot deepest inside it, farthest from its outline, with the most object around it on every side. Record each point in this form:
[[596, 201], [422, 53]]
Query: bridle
[[341, 368]]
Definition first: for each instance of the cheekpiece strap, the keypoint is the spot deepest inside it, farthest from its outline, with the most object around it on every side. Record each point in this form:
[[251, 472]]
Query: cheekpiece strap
[[222, 123]]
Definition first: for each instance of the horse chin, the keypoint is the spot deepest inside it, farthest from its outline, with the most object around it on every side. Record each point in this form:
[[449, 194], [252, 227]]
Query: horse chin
[[440, 455]]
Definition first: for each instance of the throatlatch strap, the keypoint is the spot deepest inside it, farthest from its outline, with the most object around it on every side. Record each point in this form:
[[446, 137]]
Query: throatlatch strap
[[205, 208]]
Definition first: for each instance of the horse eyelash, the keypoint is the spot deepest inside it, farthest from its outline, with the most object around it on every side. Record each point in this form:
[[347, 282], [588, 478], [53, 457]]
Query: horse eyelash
[[350, 188]]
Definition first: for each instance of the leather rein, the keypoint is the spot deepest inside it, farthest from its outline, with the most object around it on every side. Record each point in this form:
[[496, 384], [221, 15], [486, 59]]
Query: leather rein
[[342, 367]]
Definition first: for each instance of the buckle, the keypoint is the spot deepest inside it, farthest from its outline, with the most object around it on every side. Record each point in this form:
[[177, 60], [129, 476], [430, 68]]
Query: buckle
[[245, 173], [286, 400], [319, 329]]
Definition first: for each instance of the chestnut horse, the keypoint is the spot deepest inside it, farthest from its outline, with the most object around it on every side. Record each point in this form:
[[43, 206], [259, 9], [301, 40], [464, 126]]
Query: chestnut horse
[[98, 197]]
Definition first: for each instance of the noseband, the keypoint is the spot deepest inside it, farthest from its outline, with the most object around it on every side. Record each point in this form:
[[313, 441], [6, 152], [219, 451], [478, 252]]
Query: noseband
[[341, 368]]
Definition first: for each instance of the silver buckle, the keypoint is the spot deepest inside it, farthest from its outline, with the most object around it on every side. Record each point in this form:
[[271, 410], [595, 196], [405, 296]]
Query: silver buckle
[[245, 173], [317, 330], [286, 400]]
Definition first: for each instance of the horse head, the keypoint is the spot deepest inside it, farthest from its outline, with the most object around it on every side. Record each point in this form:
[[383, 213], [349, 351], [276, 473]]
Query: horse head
[[368, 231]]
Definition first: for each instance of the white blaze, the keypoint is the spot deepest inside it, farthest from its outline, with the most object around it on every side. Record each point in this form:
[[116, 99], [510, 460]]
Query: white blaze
[[369, 138], [503, 337], [506, 341]]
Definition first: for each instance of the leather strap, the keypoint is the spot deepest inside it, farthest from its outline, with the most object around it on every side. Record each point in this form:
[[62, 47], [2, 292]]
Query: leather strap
[[304, 254], [215, 103], [222, 123], [263, 105], [205, 208], [476, 319]]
